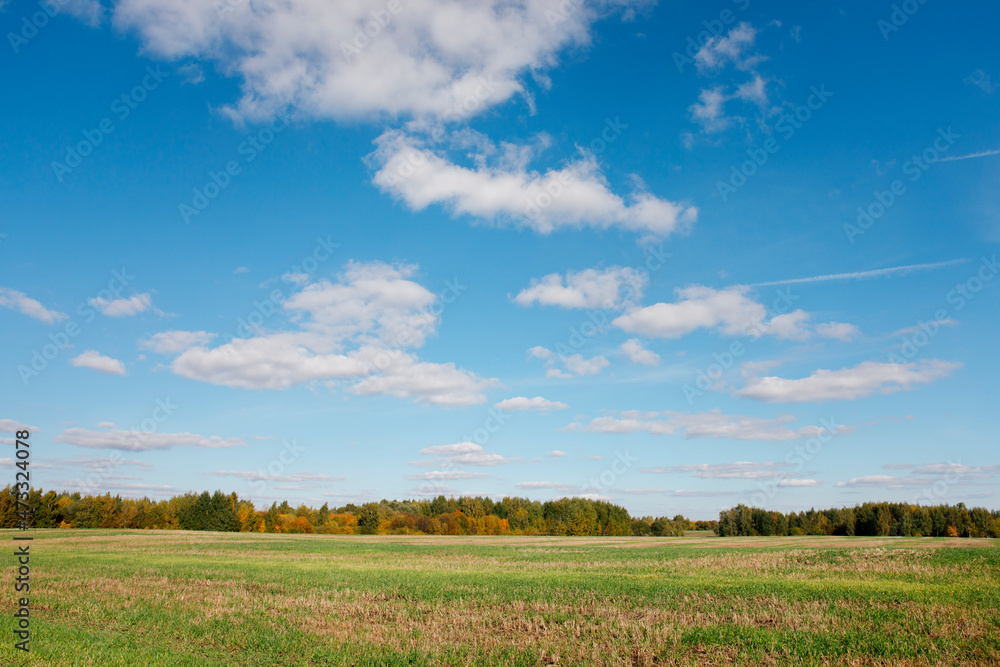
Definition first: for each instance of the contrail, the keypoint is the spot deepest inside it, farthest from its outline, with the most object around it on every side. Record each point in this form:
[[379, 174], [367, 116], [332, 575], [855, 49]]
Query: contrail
[[969, 156], [861, 275]]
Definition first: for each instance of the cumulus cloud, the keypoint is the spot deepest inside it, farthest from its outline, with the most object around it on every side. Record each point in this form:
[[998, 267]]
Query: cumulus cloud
[[800, 482], [574, 196], [730, 311], [847, 384], [461, 453], [175, 342], [593, 289], [838, 330], [557, 454], [638, 354], [432, 59], [713, 424], [439, 384], [525, 403], [560, 366], [98, 362], [26, 305], [13, 426], [139, 441], [358, 329], [123, 307]]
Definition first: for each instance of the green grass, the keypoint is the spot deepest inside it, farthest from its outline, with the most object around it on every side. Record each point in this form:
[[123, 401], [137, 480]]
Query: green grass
[[173, 598]]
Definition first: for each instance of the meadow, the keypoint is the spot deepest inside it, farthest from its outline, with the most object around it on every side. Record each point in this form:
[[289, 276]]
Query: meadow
[[133, 598]]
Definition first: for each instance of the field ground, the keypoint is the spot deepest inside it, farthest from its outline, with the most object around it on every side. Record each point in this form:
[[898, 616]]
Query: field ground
[[173, 598]]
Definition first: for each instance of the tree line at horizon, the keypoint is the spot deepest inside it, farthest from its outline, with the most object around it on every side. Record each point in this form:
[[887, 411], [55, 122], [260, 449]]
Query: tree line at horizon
[[466, 515], [476, 515], [881, 519]]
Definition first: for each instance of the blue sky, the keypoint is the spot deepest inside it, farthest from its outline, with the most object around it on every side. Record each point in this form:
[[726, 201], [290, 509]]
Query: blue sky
[[678, 255]]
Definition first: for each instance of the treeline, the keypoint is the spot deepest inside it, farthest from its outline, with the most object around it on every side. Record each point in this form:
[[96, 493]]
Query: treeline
[[441, 516], [870, 519]]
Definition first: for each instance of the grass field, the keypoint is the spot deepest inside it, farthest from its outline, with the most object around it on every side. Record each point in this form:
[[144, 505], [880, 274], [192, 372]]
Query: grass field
[[171, 598]]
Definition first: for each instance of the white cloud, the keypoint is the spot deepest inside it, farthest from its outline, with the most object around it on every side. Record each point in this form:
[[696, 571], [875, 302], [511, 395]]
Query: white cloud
[[175, 342], [839, 330], [862, 275], [301, 477], [795, 326], [451, 450], [440, 475], [970, 156], [105, 424], [438, 384], [926, 326], [954, 469], [754, 91], [90, 12], [575, 364], [730, 311], [358, 328], [557, 454], [737, 470], [957, 472], [789, 326], [590, 288], [638, 354], [140, 441], [13, 426], [709, 110], [800, 482], [432, 59], [525, 403], [555, 486], [429, 490], [575, 196], [241, 269], [713, 424], [847, 384], [677, 494], [123, 307], [462, 453], [95, 360], [269, 362], [297, 278], [732, 48], [883, 481], [91, 464], [22, 303]]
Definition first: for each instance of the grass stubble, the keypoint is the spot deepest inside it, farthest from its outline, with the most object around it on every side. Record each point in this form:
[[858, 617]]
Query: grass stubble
[[169, 598]]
